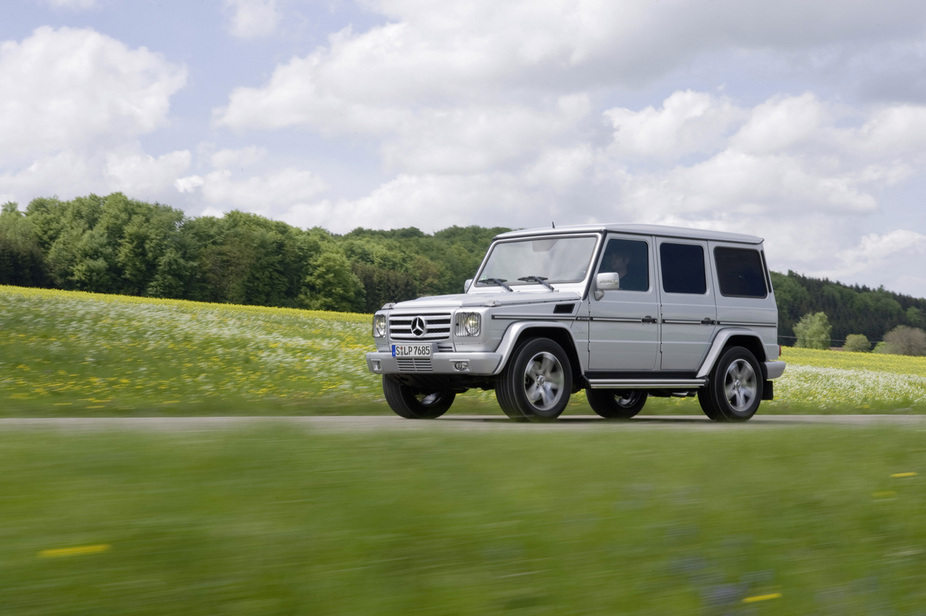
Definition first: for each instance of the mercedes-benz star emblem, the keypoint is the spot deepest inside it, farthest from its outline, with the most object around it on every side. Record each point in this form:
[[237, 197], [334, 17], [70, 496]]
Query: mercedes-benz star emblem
[[419, 327]]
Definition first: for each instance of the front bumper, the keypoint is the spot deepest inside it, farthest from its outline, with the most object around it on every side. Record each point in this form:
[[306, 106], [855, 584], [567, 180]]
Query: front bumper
[[452, 363]]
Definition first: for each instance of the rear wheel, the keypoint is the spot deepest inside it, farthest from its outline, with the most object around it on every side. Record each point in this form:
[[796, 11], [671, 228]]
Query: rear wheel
[[616, 403], [414, 403], [735, 388], [536, 383]]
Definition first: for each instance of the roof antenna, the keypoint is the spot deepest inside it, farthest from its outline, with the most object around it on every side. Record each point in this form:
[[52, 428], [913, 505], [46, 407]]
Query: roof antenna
[[554, 224]]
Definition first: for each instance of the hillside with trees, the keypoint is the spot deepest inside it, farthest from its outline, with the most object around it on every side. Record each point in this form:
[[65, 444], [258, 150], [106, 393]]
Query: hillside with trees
[[850, 310], [117, 245], [114, 244]]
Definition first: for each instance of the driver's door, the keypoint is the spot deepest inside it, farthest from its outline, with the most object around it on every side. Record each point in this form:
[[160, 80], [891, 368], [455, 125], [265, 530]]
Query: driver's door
[[623, 323]]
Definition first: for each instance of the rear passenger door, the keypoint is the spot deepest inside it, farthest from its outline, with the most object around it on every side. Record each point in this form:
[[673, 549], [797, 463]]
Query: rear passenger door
[[687, 305]]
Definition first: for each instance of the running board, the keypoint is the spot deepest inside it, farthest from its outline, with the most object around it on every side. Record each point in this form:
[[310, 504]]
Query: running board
[[646, 383]]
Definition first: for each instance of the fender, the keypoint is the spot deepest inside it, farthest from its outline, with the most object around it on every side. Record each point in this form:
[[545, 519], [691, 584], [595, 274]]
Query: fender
[[720, 341], [513, 333]]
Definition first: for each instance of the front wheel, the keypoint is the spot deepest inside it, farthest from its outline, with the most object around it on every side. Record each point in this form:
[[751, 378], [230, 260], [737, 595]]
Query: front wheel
[[413, 403], [735, 387], [616, 403], [536, 383]]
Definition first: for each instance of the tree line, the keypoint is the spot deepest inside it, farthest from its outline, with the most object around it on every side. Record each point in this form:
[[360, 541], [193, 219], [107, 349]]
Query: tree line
[[114, 244], [849, 311]]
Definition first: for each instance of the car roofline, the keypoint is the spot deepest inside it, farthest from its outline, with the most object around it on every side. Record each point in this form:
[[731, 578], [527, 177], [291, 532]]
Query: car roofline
[[637, 229]]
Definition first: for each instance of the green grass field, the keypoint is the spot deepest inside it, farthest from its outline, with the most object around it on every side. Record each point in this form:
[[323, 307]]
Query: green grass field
[[622, 520], [79, 354], [626, 518]]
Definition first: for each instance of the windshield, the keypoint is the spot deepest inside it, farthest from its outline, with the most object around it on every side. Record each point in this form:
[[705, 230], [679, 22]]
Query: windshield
[[538, 261]]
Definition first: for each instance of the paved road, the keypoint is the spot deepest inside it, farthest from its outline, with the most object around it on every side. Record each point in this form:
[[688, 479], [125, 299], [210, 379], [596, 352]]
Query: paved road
[[354, 423]]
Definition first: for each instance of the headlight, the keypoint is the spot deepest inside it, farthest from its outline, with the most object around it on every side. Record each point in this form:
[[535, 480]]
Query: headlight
[[469, 324], [379, 326]]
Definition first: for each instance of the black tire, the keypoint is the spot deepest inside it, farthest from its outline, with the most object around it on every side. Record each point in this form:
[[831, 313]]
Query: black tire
[[707, 406], [413, 403], [536, 383], [735, 387], [616, 403]]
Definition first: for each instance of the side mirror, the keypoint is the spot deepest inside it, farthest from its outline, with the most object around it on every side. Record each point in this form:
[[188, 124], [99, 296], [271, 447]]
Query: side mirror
[[606, 281], [467, 284]]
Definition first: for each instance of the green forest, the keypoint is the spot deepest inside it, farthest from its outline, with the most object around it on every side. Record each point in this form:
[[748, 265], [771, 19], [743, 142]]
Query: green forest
[[114, 244]]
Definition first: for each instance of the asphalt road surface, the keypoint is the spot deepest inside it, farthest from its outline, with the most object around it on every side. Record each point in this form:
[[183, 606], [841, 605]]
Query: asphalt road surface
[[464, 423]]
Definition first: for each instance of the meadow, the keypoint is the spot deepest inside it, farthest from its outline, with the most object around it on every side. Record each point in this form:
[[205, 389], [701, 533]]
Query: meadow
[[81, 354], [619, 520], [628, 518]]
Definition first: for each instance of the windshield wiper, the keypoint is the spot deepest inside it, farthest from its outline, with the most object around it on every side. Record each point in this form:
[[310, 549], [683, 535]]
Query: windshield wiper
[[542, 280], [498, 281]]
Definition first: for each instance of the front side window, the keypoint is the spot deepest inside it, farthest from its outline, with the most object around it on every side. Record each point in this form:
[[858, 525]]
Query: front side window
[[740, 272], [683, 268], [532, 261], [629, 259]]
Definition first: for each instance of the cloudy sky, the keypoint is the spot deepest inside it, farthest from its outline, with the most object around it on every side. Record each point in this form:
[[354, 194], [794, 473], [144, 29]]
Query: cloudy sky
[[803, 121]]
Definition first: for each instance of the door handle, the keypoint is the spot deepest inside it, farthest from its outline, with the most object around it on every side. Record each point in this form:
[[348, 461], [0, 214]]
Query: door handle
[[649, 319], [708, 321]]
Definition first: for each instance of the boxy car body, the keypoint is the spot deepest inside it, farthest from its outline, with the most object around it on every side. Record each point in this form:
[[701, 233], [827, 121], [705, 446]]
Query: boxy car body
[[623, 311]]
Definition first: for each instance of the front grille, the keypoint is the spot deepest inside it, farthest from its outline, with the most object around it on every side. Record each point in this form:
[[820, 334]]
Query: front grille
[[435, 326], [414, 364]]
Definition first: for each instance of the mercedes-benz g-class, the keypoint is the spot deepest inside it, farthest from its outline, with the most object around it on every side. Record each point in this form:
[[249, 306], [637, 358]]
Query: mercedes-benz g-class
[[623, 311]]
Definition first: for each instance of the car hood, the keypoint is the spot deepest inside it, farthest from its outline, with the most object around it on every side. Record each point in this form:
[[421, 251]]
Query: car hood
[[477, 300]]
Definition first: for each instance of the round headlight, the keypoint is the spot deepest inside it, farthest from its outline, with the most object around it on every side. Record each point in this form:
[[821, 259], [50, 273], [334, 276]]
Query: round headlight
[[471, 324], [379, 326]]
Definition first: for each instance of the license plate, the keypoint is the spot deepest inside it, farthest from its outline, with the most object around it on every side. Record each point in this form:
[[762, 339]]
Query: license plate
[[411, 350]]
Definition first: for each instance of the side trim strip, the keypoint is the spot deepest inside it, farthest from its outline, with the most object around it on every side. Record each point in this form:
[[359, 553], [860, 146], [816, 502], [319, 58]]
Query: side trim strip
[[746, 324], [565, 318], [646, 383], [621, 320]]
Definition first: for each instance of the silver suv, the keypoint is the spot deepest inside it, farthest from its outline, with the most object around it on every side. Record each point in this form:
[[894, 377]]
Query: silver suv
[[623, 311]]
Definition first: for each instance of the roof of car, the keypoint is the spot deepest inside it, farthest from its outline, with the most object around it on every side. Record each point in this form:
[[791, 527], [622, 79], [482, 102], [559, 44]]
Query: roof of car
[[639, 229]]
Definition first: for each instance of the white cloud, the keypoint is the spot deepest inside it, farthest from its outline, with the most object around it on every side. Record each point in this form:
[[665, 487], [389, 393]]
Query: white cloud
[[72, 89], [225, 188], [894, 130], [135, 173], [298, 96], [688, 122], [70, 174], [260, 194], [765, 167], [875, 248], [251, 19], [562, 168], [780, 123], [893, 259], [65, 174], [468, 139], [428, 54], [428, 202], [189, 184]]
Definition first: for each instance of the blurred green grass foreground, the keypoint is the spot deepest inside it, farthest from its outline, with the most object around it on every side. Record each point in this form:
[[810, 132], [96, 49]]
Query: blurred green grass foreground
[[80, 354], [622, 520]]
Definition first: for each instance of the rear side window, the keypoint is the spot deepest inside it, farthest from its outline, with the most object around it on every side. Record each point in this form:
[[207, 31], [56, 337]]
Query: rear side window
[[683, 268], [740, 272]]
